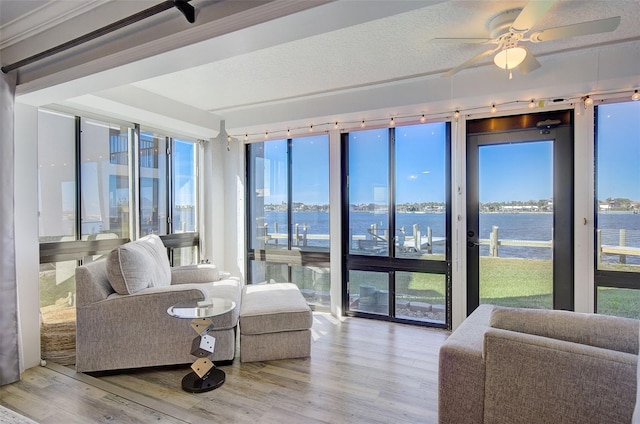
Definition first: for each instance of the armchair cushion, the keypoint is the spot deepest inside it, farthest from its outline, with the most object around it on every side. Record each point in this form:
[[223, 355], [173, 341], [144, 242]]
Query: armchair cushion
[[139, 264], [201, 273]]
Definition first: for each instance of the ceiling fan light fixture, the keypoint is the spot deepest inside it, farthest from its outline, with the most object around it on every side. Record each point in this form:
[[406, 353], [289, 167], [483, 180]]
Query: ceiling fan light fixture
[[510, 57]]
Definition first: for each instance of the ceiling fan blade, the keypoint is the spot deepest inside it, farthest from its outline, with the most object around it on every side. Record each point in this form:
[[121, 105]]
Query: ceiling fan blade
[[583, 28], [469, 62], [470, 40], [531, 13], [529, 64]]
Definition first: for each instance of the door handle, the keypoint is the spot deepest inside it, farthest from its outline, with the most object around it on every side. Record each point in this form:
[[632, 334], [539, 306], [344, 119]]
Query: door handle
[[472, 244]]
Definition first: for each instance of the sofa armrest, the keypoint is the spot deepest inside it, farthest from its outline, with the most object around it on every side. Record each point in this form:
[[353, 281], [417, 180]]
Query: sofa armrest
[[530, 378], [201, 273]]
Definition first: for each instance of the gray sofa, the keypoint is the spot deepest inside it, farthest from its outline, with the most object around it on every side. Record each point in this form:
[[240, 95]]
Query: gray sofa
[[121, 309], [507, 365]]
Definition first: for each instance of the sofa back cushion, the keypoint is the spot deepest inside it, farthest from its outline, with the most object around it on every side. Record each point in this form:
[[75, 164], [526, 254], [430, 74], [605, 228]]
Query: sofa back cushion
[[603, 331], [139, 264]]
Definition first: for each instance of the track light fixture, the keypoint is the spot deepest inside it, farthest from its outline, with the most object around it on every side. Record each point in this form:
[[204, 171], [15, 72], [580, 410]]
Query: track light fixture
[[635, 96], [187, 10]]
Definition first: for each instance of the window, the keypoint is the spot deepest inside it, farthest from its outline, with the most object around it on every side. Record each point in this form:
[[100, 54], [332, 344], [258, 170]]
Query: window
[[288, 219], [397, 224], [87, 181], [617, 205], [153, 184]]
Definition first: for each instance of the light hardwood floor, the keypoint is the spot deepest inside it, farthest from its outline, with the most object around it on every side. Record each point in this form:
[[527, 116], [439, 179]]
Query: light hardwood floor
[[360, 371]]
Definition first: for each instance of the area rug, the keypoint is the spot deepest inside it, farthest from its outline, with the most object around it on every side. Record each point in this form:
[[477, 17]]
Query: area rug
[[8, 416]]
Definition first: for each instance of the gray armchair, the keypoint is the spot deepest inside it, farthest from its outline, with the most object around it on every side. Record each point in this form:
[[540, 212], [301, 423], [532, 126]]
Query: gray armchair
[[510, 365], [122, 302]]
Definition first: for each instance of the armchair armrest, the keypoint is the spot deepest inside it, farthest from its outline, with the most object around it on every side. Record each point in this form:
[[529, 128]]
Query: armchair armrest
[[201, 273]]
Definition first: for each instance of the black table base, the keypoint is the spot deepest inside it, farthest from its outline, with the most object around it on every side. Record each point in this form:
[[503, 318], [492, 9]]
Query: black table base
[[212, 380]]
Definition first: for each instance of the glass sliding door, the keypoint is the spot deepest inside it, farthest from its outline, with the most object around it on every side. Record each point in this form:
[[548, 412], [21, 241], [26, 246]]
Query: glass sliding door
[[398, 262]]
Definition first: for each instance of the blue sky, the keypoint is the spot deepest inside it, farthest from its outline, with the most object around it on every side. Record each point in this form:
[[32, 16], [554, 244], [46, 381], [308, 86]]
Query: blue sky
[[517, 171], [618, 153]]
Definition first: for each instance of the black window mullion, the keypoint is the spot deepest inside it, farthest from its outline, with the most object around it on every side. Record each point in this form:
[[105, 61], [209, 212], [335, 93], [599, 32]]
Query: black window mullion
[[78, 141], [289, 197], [391, 205]]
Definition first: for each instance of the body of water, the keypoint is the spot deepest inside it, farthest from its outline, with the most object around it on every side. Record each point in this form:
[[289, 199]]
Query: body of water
[[511, 226]]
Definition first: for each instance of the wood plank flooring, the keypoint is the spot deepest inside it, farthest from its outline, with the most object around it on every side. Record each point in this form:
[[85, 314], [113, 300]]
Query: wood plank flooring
[[360, 371]]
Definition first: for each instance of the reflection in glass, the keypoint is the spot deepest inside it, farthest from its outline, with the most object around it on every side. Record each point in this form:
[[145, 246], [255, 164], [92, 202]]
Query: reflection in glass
[[105, 179], [268, 187], [314, 283], [56, 176], [265, 272], [369, 292], [184, 255], [421, 296], [153, 184]]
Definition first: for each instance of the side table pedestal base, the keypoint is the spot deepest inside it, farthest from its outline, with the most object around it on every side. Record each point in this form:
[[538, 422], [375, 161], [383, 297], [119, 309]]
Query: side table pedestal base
[[212, 380]]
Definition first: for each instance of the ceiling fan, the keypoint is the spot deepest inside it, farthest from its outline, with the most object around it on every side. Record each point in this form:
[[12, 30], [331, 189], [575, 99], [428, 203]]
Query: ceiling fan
[[510, 28]]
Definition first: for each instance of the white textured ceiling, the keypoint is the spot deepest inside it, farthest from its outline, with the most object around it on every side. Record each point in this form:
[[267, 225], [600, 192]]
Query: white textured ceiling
[[332, 50]]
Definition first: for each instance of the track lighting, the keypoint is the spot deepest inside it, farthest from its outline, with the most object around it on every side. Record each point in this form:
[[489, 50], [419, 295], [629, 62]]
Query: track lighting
[[532, 104], [636, 96], [456, 114], [187, 10], [493, 108], [362, 124], [423, 119], [392, 122], [588, 101]]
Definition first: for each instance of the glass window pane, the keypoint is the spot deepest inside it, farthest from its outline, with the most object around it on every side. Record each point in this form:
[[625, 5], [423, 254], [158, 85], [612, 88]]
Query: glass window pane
[[153, 184], [264, 272], [369, 292], [310, 192], [268, 188], [104, 179], [421, 191], [314, 283], [516, 221], [420, 296], [369, 192], [618, 302], [184, 255], [56, 176], [618, 187], [184, 186]]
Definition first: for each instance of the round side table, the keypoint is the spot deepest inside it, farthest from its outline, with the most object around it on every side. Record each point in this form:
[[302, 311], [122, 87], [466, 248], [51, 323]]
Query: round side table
[[205, 376]]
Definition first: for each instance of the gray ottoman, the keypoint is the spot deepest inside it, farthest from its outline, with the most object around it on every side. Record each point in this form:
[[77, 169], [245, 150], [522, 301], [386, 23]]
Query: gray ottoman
[[275, 323]]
